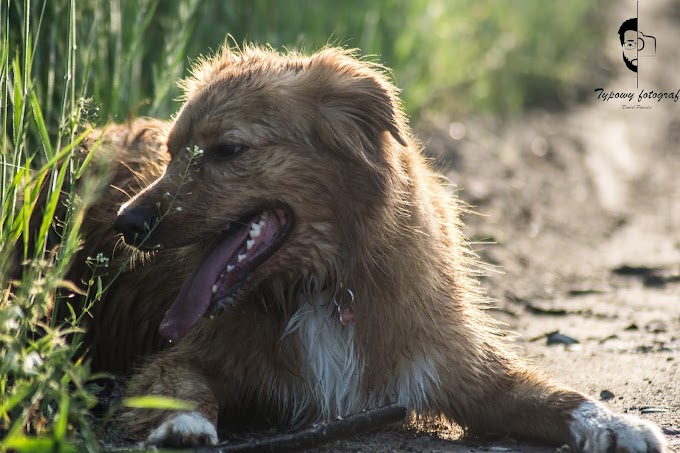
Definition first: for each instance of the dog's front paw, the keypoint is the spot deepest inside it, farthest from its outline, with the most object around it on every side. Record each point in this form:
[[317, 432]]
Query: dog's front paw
[[186, 429], [595, 429]]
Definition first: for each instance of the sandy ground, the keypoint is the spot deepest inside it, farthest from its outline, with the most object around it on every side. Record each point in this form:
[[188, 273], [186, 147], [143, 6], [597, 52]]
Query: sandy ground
[[583, 208]]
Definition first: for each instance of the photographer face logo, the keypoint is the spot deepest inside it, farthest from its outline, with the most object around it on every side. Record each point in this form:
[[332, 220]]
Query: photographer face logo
[[635, 44]]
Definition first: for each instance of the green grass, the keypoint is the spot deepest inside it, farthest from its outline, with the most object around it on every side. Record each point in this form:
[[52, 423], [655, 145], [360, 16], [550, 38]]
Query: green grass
[[66, 65], [43, 383], [42, 386]]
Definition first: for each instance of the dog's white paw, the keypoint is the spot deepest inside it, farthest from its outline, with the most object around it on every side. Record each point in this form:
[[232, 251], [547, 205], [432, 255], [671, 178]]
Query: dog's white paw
[[186, 429], [595, 429]]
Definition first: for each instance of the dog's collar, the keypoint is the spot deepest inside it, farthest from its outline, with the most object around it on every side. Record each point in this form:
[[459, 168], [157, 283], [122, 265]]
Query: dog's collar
[[343, 300]]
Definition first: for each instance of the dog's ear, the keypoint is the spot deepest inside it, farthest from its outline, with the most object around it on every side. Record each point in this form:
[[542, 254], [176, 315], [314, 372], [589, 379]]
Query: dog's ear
[[357, 104]]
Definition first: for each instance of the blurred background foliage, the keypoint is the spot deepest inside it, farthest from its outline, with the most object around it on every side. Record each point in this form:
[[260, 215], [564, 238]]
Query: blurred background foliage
[[463, 56]]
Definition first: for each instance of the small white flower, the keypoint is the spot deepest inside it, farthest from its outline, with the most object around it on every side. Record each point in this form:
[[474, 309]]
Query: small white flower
[[13, 316], [196, 152], [102, 260], [12, 324], [31, 361]]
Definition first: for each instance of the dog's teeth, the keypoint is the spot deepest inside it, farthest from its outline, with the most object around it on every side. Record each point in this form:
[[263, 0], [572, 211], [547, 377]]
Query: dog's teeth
[[215, 288], [241, 258], [249, 243], [262, 222], [255, 230], [230, 268]]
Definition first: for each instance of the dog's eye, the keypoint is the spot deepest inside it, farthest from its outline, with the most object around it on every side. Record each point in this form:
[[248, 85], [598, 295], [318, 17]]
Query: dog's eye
[[226, 150]]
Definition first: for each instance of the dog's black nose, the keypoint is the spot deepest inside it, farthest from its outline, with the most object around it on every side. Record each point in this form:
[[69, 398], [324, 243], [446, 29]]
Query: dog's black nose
[[136, 224]]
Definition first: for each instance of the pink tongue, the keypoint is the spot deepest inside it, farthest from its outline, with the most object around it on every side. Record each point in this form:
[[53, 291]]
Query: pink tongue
[[195, 296]]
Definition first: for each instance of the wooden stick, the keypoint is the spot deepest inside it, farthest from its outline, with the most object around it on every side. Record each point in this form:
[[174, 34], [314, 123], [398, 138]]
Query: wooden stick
[[321, 433]]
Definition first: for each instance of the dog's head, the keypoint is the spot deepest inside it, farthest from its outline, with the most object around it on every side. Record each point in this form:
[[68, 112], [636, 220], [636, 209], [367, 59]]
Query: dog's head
[[276, 160]]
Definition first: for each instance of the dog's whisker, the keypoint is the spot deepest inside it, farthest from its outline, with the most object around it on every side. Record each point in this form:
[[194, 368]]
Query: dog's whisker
[[121, 190], [229, 221]]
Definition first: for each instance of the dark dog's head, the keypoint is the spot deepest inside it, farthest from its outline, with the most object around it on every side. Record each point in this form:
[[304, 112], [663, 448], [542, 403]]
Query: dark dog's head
[[278, 164]]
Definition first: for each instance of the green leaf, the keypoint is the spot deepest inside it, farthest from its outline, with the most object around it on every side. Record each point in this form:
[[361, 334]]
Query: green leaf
[[62, 420], [51, 206], [40, 122], [74, 317], [17, 100], [22, 443], [19, 395], [17, 182], [91, 153], [65, 151], [158, 402]]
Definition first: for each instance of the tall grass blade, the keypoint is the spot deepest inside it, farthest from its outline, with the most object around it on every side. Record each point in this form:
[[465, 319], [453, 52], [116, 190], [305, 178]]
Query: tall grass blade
[[51, 206], [18, 104], [42, 127]]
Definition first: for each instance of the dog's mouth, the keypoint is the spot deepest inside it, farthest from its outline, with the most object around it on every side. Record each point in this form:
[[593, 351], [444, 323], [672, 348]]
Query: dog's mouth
[[218, 281]]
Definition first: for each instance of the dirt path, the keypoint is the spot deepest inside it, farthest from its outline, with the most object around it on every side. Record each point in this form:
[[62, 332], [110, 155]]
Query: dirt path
[[584, 208]]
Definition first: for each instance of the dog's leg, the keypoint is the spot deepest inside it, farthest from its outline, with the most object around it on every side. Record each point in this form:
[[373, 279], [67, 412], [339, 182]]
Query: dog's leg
[[528, 405], [518, 402], [164, 376]]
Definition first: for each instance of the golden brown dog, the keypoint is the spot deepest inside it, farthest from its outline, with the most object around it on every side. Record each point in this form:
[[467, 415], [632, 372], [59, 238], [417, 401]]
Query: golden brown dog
[[306, 263]]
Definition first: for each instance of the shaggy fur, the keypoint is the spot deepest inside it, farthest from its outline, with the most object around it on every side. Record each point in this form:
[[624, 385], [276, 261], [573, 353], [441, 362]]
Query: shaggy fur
[[324, 135]]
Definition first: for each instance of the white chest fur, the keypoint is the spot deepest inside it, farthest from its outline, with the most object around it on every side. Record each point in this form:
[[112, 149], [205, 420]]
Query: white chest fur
[[333, 365]]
